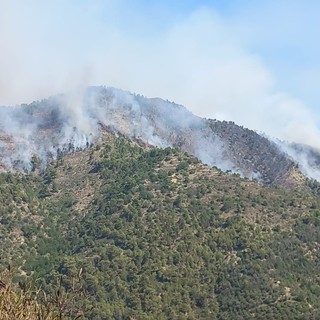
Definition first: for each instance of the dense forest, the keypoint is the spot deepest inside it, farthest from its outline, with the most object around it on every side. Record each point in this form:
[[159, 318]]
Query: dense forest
[[126, 232]]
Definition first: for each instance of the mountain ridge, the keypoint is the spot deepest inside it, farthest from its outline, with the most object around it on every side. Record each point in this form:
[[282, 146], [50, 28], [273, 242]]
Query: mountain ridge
[[70, 122]]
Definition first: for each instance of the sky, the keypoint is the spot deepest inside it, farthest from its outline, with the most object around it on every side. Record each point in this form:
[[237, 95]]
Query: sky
[[252, 62]]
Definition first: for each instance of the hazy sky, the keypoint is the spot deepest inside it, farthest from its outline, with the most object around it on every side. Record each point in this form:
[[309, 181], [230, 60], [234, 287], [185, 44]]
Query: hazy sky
[[254, 62]]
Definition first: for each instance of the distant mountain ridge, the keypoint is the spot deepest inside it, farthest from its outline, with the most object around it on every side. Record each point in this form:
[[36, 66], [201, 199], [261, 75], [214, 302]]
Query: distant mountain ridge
[[44, 129]]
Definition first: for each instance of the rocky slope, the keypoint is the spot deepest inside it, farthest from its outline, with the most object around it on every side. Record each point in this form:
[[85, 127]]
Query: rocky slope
[[42, 130]]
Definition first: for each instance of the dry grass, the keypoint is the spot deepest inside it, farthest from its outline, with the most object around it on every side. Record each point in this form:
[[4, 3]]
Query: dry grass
[[19, 302]]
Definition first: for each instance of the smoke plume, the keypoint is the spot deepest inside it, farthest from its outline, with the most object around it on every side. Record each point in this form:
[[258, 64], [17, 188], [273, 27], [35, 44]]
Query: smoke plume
[[217, 62], [73, 121]]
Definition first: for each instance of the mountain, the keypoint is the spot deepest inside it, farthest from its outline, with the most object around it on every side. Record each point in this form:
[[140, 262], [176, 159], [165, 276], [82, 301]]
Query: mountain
[[116, 206], [44, 130], [123, 211], [123, 231]]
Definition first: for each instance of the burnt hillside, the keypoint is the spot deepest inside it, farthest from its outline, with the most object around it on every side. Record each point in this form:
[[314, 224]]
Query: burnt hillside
[[74, 121]]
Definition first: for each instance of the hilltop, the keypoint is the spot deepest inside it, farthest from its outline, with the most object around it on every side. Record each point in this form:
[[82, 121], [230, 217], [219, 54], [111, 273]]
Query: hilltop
[[69, 122]]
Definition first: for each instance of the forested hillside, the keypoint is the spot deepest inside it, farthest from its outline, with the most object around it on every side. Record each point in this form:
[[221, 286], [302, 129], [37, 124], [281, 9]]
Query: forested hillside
[[148, 233]]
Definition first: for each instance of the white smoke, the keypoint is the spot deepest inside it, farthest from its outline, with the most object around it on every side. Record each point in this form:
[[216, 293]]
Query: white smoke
[[70, 122], [73, 121], [206, 59], [306, 157]]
